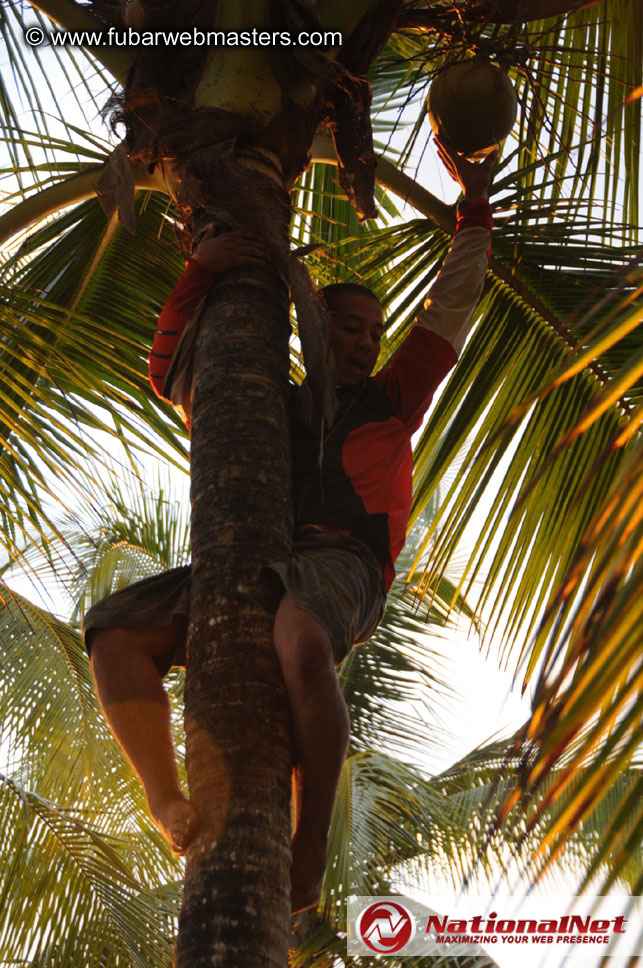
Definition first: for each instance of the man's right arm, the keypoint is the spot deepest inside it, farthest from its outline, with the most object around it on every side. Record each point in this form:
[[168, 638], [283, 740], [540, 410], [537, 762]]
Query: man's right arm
[[214, 255], [179, 308]]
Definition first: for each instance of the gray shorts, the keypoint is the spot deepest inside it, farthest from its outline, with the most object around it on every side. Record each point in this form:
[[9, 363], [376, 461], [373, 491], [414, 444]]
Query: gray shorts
[[335, 578]]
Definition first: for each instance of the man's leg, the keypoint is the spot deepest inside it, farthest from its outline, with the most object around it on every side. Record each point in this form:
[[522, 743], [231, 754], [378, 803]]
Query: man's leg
[[321, 728], [137, 709]]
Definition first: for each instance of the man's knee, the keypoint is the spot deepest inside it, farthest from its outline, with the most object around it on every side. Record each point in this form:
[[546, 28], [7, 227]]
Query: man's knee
[[106, 643], [303, 646]]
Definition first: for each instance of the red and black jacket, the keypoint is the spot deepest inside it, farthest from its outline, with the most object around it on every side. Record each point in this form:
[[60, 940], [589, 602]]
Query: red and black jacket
[[355, 478]]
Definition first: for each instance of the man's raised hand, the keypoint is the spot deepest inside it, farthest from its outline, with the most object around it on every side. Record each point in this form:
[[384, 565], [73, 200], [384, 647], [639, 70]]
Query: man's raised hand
[[473, 178], [229, 250]]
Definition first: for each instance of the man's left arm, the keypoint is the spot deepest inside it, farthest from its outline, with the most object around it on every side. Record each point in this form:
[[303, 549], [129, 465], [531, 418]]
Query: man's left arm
[[451, 301], [432, 348]]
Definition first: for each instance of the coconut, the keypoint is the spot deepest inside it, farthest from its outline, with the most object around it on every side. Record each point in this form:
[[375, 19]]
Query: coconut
[[472, 106]]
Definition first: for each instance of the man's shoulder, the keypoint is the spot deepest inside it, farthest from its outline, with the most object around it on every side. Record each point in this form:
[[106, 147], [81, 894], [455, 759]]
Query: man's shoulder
[[415, 372]]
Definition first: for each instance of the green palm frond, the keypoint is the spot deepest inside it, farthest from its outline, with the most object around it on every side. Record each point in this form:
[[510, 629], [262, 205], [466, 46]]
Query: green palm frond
[[136, 531], [391, 822], [67, 753], [394, 684], [43, 663], [323, 217], [74, 357], [384, 812], [587, 704], [43, 666], [586, 621], [82, 845], [618, 823], [579, 104], [598, 852], [65, 161], [394, 827], [104, 915], [406, 828]]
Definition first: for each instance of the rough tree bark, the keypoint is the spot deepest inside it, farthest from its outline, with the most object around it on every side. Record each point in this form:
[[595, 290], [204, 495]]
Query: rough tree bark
[[238, 746]]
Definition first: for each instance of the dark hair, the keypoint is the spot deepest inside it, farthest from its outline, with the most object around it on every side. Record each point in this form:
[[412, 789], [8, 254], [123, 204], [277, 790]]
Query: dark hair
[[337, 289]]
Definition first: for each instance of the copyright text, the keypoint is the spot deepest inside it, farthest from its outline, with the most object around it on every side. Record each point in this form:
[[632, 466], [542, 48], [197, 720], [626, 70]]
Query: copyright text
[[35, 36]]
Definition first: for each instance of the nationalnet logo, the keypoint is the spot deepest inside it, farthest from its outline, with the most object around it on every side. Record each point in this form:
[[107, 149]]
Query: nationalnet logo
[[385, 927], [480, 927]]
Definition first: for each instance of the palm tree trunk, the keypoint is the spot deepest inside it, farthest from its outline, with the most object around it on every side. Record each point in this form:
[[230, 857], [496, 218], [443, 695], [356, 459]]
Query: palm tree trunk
[[236, 909]]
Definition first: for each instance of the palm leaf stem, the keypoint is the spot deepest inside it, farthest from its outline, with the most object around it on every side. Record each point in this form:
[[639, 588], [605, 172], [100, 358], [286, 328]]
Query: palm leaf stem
[[389, 176], [98, 255], [77, 188]]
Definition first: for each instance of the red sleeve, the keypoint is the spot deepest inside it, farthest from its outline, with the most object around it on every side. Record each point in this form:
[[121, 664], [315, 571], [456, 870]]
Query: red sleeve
[[181, 303], [418, 368], [474, 215]]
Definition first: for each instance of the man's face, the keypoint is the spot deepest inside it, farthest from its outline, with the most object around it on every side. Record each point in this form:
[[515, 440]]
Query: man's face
[[355, 331]]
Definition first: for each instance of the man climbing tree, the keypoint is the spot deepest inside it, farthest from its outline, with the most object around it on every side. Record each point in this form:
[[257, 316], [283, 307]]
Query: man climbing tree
[[230, 136], [351, 497]]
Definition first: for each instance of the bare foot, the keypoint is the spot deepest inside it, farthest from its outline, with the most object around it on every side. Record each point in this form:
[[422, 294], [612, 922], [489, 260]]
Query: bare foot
[[178, 822], [307, 871]]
